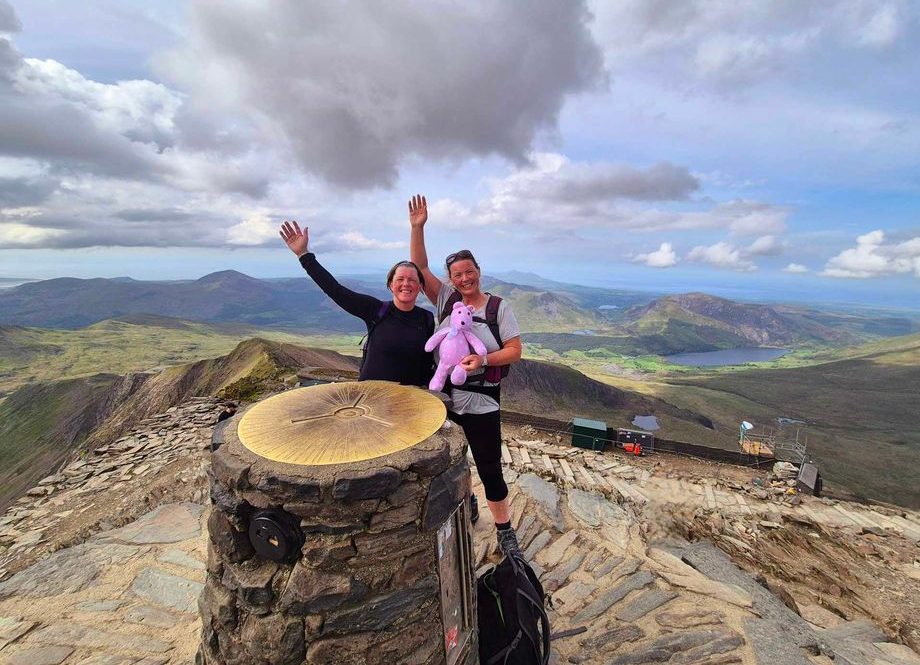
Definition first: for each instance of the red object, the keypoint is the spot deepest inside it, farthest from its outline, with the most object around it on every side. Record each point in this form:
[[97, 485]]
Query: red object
[[451, 638], [634, 448]]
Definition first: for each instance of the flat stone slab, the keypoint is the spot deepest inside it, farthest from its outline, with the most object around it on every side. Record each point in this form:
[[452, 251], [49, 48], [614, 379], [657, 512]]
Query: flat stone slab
[[715, 564], [603, 602], [180, 558], [40, 656], [147, 615], [593, 509], [76, 635], [170, 523], [11, 629], [545, 494], [696, 617], [771, 644], [707, 587], [553, 554], [167, 590], [67, 571], [692, 646], [648, 601], [99, 605], [555, 579]]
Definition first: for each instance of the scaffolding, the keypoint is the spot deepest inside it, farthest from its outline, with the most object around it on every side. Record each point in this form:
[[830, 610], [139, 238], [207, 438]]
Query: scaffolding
[[769, 442]]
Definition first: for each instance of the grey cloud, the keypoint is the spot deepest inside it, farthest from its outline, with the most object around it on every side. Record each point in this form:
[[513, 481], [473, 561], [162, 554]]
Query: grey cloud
[[154, 214], [69, 232], [661, 182], [10, 61], [357, 87], [9, 22], [17, 192]]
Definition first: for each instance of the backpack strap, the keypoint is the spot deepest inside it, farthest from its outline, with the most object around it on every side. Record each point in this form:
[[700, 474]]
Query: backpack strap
[[382, 311], [528, 596], [492, 373], [452, 299]]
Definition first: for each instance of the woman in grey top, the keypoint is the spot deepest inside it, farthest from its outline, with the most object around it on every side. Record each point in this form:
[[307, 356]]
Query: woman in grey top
[[475, 403]]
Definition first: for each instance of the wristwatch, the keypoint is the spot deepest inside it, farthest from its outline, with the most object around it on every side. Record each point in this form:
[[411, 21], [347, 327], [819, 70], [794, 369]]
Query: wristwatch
[[485, 360]]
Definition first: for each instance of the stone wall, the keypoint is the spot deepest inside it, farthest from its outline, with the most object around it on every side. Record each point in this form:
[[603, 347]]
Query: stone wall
[[365, 587]]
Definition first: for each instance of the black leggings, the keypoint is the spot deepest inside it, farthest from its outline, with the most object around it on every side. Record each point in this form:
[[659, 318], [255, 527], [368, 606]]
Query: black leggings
[[484, 434]]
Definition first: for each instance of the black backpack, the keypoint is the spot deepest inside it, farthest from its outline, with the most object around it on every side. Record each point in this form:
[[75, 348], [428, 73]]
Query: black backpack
[[513, 626], [493, 373]]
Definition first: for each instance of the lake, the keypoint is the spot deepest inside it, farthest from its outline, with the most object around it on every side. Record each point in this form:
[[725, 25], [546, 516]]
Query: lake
[[726, 357]]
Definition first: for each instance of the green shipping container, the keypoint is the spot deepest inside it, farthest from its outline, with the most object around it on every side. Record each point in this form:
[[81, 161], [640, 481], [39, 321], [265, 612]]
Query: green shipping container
[[591, 434]]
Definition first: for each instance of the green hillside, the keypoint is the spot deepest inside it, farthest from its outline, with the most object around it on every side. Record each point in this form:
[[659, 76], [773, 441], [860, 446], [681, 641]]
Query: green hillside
[[131, 344], [41, 424], [861, 413]]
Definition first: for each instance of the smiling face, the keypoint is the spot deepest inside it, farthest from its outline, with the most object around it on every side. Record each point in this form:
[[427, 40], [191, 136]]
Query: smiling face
[[405, 285], [464, 275]]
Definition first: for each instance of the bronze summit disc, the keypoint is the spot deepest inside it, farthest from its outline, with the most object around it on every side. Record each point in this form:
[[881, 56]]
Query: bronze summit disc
[[336, 423]]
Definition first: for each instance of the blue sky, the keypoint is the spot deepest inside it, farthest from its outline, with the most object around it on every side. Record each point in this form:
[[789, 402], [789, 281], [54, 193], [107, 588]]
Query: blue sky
[[748, 149]]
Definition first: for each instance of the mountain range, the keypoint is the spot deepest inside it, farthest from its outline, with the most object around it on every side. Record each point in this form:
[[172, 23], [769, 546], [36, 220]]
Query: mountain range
[[549, 314]]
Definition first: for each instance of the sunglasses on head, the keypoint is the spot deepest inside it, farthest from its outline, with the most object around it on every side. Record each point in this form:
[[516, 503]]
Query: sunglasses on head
[[459, 256]]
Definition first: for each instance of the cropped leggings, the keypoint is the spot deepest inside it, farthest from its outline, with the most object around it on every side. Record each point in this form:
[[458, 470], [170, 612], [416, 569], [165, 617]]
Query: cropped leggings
[[484, 434]]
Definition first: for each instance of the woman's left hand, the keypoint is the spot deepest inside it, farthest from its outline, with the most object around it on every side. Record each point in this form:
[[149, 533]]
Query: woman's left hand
[[471, 362]]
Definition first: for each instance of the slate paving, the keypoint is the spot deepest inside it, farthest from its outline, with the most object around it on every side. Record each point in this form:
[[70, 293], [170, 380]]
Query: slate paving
[[127, 596]]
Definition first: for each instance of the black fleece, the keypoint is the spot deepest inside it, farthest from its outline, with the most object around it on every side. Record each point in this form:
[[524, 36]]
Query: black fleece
[[396, 348]]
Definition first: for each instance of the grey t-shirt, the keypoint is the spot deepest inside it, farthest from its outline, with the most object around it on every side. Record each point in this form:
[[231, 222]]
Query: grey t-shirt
[[467, 402]]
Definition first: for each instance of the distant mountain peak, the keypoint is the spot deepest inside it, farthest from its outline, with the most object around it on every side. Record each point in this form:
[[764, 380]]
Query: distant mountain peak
[[226, 277]]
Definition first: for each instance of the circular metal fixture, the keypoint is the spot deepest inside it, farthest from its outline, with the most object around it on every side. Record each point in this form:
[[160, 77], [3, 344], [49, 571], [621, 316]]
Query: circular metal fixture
[[275, 535], [338, 423]]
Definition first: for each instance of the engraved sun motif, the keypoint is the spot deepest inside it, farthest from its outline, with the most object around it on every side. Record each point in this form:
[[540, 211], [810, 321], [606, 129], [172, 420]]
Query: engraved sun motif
[[340, 422]]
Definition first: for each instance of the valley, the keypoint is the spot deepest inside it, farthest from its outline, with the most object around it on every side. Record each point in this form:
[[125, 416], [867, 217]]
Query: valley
[[845, 375]]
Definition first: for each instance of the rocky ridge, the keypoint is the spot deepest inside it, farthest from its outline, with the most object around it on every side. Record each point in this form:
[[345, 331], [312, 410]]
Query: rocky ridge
[[615, 540]]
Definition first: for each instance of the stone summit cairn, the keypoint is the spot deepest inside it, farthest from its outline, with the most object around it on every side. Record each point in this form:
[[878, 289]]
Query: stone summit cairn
[[370, 513]]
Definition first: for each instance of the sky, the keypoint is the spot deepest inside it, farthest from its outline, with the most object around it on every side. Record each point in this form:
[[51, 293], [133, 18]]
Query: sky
[[759, 150]]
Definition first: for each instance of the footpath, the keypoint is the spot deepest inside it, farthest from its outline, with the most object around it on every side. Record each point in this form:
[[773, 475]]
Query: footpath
[[103, 562]]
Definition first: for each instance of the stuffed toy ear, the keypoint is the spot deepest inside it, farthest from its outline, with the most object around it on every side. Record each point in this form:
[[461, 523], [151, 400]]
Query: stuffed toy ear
[[458, 305], [470, 307]]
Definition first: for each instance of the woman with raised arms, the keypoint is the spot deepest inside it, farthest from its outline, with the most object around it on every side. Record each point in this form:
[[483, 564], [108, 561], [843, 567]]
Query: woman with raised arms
[[475, 403], [396, 329]]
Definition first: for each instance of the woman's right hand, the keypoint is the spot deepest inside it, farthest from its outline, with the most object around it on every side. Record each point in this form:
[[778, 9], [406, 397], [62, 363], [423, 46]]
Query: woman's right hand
[[296, 240], [418, 211]]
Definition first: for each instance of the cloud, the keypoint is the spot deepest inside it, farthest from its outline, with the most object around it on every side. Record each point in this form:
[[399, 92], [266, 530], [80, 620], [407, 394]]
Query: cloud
[[355, 89], [728, 46], [357, 241], [766, 246], [15, 235], [555, 192], [25, 191], [148, 215], [795, 268], [9, 22], [663, 257], [721, 255], [754, 218], [141, 111], [872, 257]]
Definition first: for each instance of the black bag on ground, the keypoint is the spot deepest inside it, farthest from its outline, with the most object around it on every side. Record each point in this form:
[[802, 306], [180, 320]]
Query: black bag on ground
[[513, 626]]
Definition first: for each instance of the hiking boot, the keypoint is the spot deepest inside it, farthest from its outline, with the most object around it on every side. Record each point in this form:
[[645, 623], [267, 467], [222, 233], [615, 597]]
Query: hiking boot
[[474, 509], [508, 543]]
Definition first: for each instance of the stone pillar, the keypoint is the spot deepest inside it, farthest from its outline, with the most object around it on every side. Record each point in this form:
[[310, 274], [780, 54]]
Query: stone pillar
[[376, 579]]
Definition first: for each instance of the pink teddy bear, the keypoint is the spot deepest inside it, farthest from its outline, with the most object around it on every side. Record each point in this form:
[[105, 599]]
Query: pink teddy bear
[[453, 346]]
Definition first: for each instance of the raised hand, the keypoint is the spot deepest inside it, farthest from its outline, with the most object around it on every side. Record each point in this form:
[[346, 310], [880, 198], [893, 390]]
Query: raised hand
[[296, 240], [418, 211]]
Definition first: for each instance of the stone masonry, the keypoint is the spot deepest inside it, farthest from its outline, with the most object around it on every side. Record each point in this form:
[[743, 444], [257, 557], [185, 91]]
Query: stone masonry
[[364, 587]]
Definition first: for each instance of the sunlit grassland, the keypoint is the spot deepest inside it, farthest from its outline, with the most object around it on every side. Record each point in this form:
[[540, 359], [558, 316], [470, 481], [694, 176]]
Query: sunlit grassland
[[32, 355]]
